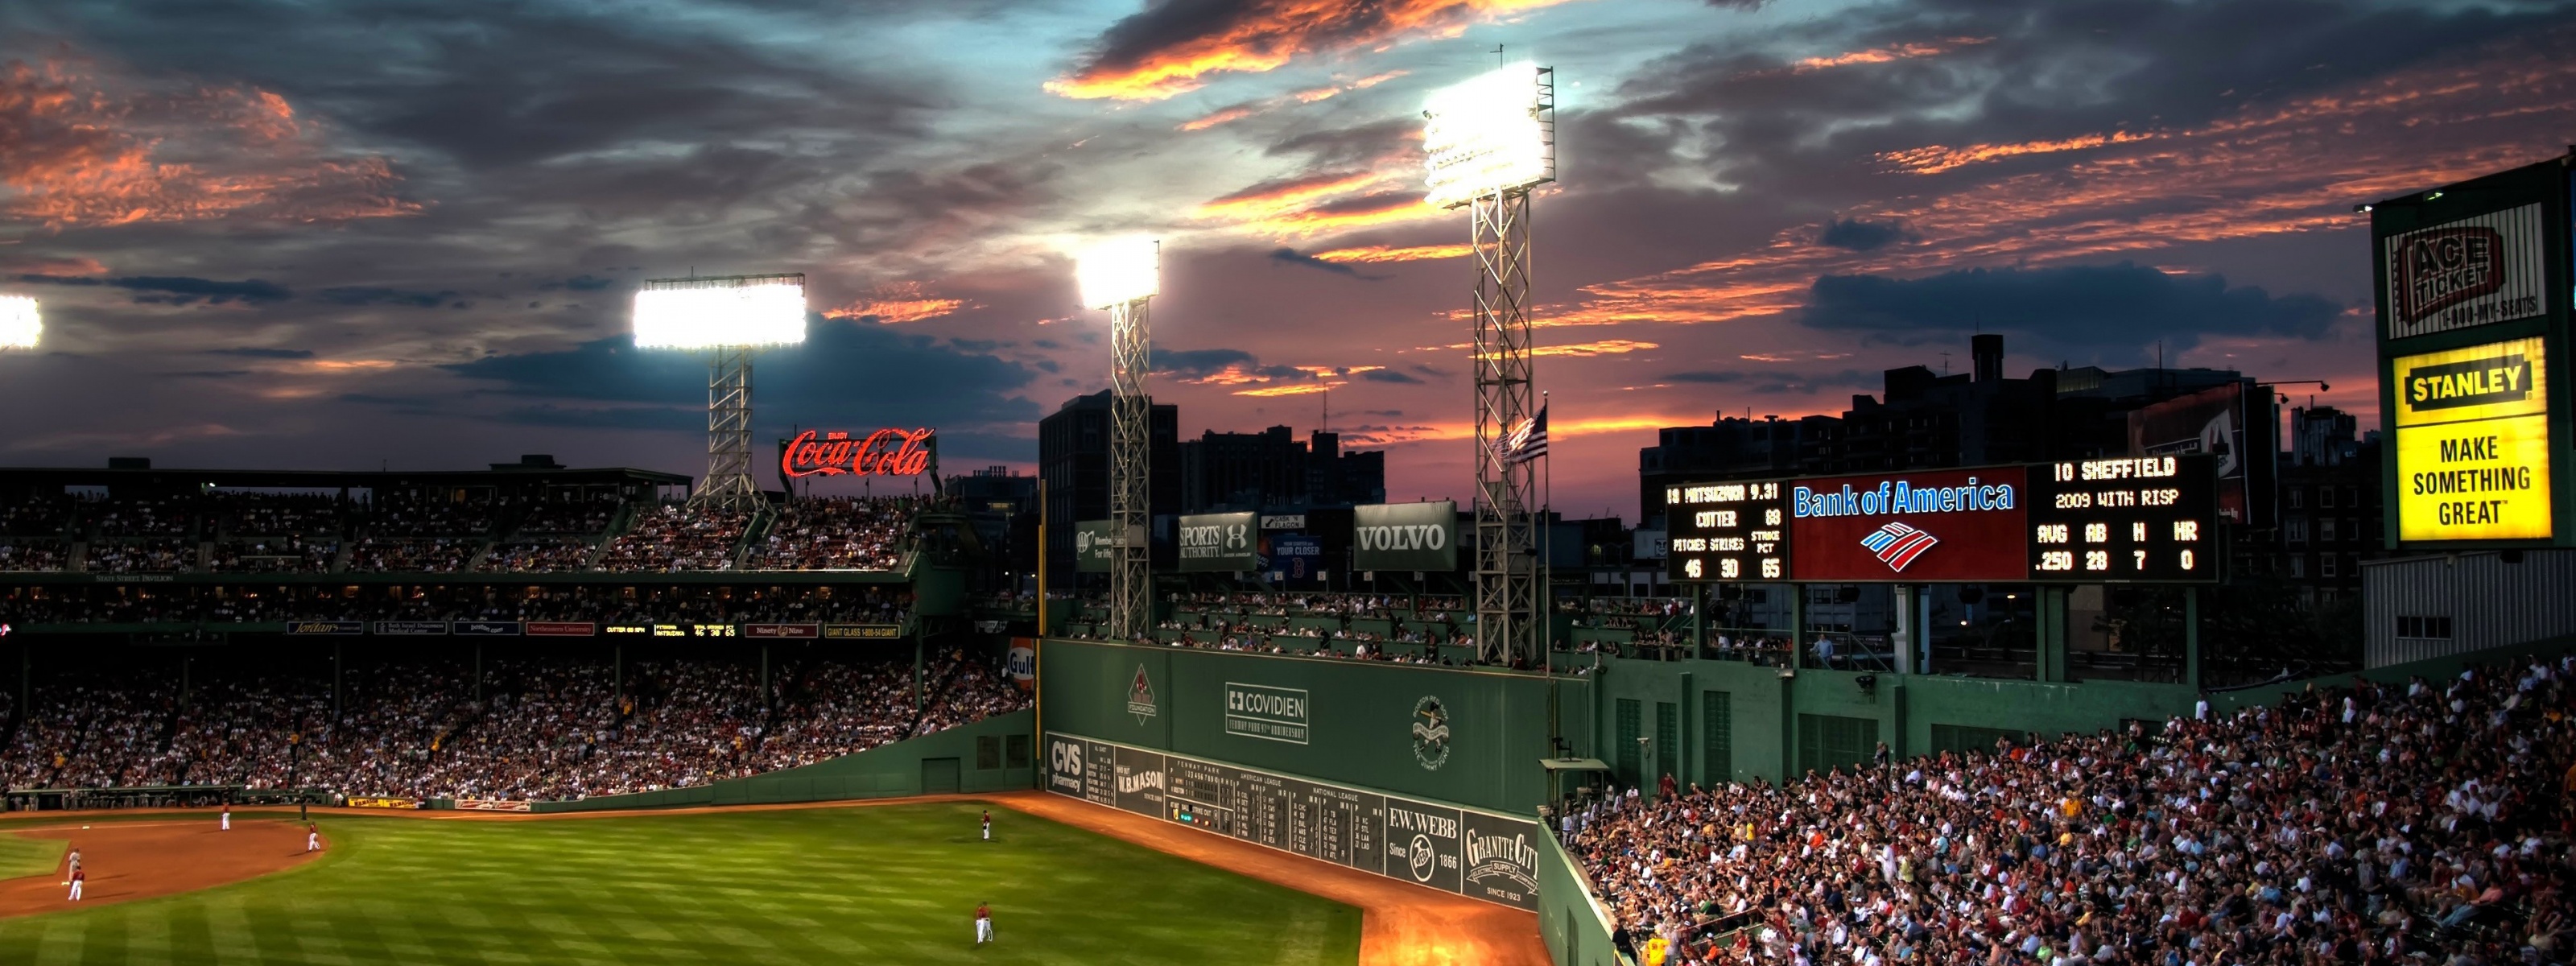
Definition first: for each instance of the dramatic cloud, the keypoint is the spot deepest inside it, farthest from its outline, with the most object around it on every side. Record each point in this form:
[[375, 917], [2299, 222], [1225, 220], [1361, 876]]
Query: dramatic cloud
[[1293, 257], [1861, 236], [845, 372], [2120, 304], [1172, 45], [1392, 253], [177, 289], [77, 149], [898, 303]]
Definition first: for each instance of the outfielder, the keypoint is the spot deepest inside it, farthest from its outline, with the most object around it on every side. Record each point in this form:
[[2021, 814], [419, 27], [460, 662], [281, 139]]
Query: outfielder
[[988, 825], [312, 837], [79, 875], [228, 819], [983, 919]]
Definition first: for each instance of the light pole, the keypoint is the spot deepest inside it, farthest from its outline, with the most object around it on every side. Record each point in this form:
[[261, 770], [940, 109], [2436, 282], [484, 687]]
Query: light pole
[[727, 318], [1123, 276]]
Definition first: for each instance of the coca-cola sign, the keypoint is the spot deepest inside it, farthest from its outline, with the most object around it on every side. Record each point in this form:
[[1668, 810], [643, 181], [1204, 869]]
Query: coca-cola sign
[[886, 452]]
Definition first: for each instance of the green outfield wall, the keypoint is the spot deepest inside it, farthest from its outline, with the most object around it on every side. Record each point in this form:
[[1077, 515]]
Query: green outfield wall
[[991, 755], [1473, 737]]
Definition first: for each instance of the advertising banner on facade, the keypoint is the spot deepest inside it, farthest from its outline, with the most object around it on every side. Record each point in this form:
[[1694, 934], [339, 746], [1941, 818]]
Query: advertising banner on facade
[[1217, 543], [1296, 556], [327, 628], [880, 632], [1095, 546], [783, 631], [562, 629], [1405, 536], [411, 628], [484, 628], [2470, 272], [2473, 447], [1927, 525], [1478, 854], [2215, 421]]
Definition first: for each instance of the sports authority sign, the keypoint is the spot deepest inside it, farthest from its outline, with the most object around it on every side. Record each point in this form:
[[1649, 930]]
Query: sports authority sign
[[2465, 273], [1478, 854], [1216, 543], [1931, 525]]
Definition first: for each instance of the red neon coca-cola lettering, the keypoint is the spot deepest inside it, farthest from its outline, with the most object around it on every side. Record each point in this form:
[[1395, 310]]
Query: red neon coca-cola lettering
[[886, 452]]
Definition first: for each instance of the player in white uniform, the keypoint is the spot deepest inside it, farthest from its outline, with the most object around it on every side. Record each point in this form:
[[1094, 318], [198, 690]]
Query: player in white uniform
[[988, 825], [983, 923], [312, 838], [227, 819]]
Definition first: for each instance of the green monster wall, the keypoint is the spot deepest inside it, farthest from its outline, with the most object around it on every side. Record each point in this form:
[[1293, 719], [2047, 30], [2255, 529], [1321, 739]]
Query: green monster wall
[[1338, 720]]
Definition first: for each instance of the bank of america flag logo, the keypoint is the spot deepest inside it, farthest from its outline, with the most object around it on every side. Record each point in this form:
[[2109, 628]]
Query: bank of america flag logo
[[1525, 442], [1897, 544]]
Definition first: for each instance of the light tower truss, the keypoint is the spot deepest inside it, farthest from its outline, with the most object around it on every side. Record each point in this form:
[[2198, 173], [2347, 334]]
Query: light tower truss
[[1131, 448]]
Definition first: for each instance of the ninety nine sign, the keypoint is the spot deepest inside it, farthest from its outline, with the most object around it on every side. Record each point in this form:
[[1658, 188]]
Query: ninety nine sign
[[886, 452]]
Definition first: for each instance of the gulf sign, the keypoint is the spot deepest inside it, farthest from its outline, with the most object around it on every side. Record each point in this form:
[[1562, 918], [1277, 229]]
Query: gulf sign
[[1927, 525]]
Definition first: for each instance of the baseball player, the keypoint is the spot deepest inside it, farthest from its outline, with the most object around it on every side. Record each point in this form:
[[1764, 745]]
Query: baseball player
[[983, 919], [988, 825], [227, 819], [79, 875], [312, 837]]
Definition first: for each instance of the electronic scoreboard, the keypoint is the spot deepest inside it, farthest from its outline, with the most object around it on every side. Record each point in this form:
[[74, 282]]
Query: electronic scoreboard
[[2150, 519], [1727, 531]]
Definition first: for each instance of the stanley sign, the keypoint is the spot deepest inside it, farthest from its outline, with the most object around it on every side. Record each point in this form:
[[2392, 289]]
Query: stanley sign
[[2473, 444]]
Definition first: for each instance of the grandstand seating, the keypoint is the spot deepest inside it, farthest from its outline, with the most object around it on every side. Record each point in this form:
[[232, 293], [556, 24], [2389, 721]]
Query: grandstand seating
[[547, 727], [2374, 823]]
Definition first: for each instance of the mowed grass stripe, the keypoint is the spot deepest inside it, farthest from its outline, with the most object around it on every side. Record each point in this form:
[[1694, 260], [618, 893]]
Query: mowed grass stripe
[[890, 884]]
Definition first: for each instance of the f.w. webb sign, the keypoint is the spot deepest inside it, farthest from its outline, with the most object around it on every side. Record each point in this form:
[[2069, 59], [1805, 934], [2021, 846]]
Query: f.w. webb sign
[[1405, 536]]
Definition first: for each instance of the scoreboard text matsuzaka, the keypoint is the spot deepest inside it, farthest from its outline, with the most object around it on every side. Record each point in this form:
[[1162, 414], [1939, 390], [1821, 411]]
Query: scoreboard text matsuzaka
[[1727, 531]]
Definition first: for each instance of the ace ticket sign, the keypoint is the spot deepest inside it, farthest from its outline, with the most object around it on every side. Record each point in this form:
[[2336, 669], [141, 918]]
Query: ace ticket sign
[[2473, 447]]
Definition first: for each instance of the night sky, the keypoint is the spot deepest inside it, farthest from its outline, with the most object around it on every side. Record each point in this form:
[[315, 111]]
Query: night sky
[[407, 234]]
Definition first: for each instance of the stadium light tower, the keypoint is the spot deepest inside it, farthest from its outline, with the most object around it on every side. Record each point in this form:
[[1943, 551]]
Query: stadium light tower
[[727, 318], [21, 326], [1123, 276], [1487, 142]]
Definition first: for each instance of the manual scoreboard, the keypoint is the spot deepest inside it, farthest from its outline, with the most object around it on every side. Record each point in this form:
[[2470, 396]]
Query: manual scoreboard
[[2151, 519]]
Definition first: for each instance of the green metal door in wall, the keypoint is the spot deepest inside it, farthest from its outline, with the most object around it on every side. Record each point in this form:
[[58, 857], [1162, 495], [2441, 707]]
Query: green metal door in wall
[[1668, 739], [939, 776], [1831, 740], [1630, 729], [1717, 736]]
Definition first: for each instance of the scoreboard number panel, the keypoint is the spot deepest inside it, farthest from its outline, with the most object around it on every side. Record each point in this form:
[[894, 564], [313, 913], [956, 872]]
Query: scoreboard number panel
[[1727, 532], [2145, 519]]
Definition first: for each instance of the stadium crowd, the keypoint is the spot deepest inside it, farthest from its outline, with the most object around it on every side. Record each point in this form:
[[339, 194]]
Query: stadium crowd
[[802, 604], [440, 532], [545, 728], [2424, 822]]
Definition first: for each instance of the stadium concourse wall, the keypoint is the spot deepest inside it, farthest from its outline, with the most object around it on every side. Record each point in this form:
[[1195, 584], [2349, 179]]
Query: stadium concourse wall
[[909, 767]]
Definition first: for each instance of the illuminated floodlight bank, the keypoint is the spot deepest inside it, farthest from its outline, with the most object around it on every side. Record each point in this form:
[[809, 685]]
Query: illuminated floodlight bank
[[1488, 135], [20, 324], [706, 313], [1119, 271]]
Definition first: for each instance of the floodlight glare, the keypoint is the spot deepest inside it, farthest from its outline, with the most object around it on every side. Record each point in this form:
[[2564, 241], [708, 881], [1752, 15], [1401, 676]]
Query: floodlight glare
[[20, 325], [1485, 135], [1119, 271], [705, 313]]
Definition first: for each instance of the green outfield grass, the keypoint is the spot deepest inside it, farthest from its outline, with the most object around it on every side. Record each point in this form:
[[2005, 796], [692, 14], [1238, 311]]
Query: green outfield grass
[[26, 856], [891, 884]]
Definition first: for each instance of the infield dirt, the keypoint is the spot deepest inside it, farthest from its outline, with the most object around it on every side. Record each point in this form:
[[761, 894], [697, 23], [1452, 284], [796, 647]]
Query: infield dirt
[[139, 860]]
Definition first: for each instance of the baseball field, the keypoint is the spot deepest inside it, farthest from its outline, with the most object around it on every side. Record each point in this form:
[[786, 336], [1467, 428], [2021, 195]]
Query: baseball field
[[886, 884]]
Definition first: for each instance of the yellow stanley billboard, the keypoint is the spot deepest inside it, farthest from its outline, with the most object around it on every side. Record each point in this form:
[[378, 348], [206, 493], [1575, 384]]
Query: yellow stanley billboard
[[2473, 444]]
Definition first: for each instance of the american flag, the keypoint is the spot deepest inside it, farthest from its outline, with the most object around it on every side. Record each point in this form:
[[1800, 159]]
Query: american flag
[[1526, 442]]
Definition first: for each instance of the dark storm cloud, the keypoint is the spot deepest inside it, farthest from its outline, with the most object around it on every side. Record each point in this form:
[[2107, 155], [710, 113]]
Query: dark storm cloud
[[2123, 304], [1292, 256], [1860, 235], [844, 372], [372, 295], [1711, 377], [1390, 375], [1202, 363], [177, 289], [260, 352]]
